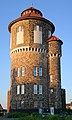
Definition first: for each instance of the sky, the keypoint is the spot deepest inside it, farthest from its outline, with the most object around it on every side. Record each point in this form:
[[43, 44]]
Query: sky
[[59, 12]]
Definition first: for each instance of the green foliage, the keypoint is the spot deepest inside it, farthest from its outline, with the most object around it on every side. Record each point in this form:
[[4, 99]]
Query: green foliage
[[53, 117], [67, 110], [16, 115], [1, 113], [36, 116], [68, 118]]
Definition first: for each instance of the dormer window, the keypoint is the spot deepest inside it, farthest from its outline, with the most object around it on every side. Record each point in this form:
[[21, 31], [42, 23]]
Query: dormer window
[[29, 11], [26, 12], [33, 11], [37, 12]]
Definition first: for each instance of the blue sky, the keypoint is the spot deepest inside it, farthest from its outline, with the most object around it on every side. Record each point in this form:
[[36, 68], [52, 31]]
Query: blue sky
[[57, 11]]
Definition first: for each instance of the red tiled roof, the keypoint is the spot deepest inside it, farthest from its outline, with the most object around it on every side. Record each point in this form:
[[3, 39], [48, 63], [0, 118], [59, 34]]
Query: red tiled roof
[[54, 38], [32, 15], [32, 9]]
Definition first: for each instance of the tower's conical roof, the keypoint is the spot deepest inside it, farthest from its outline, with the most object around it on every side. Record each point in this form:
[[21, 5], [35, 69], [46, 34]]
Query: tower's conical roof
[[32, 13], [54, 38]]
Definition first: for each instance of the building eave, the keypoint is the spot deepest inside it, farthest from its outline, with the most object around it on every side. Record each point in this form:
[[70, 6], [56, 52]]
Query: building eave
[[31, 17]]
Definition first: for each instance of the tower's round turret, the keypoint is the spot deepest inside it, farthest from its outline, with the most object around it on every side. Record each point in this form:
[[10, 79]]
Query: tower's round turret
[[54, 54]]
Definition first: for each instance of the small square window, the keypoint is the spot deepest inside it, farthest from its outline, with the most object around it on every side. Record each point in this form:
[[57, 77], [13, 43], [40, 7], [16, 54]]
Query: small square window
[[35, 27], [33, 11], [26, 12], [29, 11], [50, 45], [17, 30]]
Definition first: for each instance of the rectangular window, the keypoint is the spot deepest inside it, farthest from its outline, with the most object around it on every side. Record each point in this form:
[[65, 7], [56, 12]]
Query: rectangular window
[[40, 89], [20, 28], [51, 78], [18, 89], [23, 71], [19, 72], [38, 34], [40, 71], [22, 104], [41, 104], [17, 30], [35, 71], [18, 104], [35, 27], [22, 89], [40, 28], [51, 90], [35, 89], [49, 34], [35, 104], [20, 35]]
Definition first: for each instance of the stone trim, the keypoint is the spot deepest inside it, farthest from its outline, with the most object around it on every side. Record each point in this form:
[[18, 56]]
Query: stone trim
[[28, 49], [54, 55]]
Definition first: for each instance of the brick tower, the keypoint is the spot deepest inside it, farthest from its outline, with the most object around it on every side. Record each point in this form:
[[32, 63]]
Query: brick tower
[[35, 62], [54, 54]]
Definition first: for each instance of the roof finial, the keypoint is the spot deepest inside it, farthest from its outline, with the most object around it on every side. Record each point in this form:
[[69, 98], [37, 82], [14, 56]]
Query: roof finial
[[31, 4]]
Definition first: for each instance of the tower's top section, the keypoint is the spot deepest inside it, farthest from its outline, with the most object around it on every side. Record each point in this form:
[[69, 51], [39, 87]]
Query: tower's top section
[[54, 38], [32, 13]]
